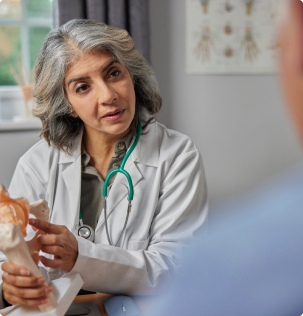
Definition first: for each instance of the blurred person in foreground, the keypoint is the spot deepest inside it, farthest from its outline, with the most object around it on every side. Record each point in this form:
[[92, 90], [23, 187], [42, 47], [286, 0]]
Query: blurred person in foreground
[[252, 260]]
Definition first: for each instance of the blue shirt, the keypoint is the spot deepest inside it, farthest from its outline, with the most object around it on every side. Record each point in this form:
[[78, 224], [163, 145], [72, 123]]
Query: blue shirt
[[251, 263]]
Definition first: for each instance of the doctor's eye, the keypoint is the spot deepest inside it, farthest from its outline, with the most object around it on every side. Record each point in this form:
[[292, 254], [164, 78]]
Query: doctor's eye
[[114, 73], [82, 88]]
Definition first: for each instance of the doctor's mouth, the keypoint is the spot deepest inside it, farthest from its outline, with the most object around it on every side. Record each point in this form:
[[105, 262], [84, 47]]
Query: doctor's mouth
[[113, 115]]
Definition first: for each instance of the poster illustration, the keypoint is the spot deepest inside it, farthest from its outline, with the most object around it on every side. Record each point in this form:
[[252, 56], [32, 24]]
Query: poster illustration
[[232, 36]]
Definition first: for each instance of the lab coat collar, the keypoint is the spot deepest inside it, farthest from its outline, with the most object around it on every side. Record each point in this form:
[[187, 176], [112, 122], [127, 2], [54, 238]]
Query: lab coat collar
[[74, 152], [146, 152]]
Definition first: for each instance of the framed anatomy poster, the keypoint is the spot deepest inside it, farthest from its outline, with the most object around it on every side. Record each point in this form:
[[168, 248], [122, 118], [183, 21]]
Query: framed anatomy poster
[[231, 36]]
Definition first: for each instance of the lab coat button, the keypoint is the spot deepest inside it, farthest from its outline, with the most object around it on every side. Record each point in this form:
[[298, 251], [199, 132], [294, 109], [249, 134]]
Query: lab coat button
[[121, 146], [116, 165]]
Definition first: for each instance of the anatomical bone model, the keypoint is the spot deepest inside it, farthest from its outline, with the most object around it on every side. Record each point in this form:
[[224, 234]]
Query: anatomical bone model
[[250, 46], [202, 50], [204, 4], [249, 5], [275, 12], [228, 6], [14, 216]]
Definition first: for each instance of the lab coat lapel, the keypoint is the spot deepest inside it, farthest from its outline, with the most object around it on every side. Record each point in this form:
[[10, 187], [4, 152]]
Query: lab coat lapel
[[71, 177]]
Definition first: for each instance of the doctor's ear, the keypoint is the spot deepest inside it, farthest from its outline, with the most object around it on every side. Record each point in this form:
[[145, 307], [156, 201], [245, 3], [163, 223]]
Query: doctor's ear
[[74, 114]]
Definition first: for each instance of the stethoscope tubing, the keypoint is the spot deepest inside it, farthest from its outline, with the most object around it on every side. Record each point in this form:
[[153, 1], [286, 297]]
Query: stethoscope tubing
[[121, 168], [131, 188]]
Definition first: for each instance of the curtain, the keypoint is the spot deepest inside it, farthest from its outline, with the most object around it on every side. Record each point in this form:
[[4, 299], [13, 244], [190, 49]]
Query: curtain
[[131, 15]]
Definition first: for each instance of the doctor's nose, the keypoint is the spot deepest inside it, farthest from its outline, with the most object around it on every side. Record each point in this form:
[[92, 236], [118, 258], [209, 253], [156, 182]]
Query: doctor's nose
[[106, 94]]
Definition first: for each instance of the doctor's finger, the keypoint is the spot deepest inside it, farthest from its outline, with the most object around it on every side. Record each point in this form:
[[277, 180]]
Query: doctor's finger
[[38, 292], [15, 269], [20, 281], [45, 226], [51, 239], [51, 263], [15, 300], [53, 250]]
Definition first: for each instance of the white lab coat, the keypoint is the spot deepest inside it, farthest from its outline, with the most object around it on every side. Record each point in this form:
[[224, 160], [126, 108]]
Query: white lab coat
[[169, 206]]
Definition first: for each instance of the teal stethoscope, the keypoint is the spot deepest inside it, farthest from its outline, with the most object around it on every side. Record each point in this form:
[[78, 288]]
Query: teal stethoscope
[[87, 231]]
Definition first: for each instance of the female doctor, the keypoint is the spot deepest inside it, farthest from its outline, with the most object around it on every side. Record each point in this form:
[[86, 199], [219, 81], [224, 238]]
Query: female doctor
[[93, 90]]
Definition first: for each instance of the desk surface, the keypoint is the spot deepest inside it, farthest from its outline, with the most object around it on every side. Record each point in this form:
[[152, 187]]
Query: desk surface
[[95, 298]]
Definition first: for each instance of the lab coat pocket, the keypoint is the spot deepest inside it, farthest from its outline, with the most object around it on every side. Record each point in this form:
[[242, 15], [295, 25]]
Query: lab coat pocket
[[134, 245]]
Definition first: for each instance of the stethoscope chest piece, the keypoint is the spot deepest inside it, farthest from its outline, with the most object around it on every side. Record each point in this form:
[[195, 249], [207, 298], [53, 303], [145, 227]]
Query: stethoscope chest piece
[[87, 232]]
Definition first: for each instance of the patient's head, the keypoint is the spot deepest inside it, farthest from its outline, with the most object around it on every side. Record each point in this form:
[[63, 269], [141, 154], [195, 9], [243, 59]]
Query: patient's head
[[291, 61]]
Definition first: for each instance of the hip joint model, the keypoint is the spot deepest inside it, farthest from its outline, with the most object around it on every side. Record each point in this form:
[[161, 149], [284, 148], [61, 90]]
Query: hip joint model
[[14, 216]]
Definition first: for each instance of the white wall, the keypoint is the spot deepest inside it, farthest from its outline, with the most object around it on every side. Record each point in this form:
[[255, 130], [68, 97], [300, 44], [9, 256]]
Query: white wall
[[13, 145], [238, 122]]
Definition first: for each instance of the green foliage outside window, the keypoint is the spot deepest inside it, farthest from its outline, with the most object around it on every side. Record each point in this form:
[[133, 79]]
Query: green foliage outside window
[[12, 46], [37, 35], [9, 52], [39, 8]]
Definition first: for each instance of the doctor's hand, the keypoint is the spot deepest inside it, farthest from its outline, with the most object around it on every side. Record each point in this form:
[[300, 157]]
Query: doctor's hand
[[57, 241], [20, 287]]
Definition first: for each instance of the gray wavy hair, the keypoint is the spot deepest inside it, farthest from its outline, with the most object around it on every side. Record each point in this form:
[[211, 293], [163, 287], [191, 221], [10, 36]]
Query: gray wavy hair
[[59, 50]]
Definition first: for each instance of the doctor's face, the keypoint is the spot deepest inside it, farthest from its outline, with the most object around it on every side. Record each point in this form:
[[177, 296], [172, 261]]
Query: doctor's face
[[101, 93]]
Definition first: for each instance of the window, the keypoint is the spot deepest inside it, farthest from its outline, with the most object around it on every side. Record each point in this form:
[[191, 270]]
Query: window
[[24, 24]]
